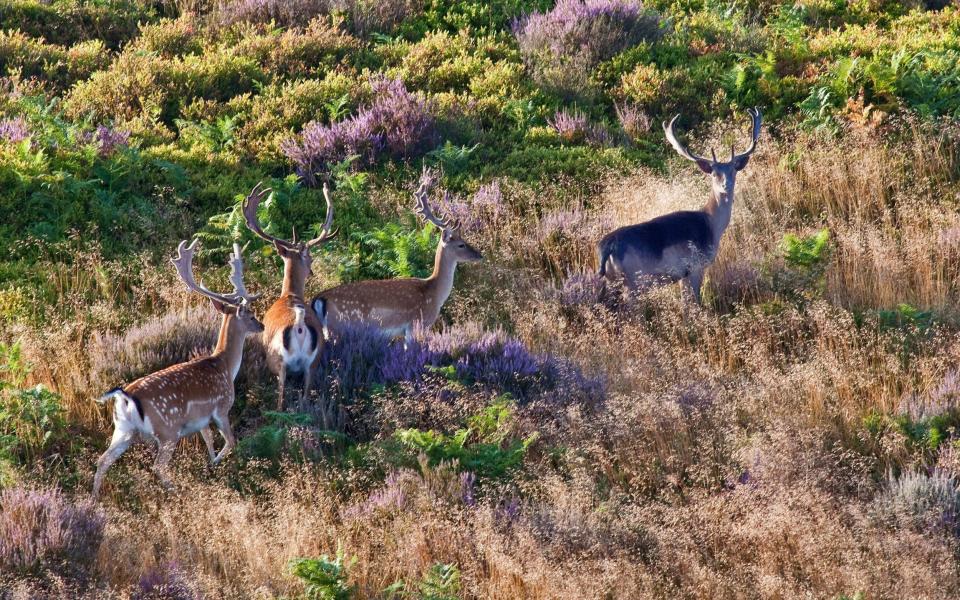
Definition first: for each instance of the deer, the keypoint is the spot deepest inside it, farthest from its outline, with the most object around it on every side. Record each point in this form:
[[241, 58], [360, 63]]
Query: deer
[[401, 306], [292, 329], [185, 398], [678, 245]]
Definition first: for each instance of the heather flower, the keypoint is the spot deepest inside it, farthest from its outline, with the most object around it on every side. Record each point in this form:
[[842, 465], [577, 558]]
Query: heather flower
[[15, 130], [41, 528], [397, 125], [572, 126], [282, 12], [634, 122], [393, 496], [583, 289], [167, 583], [486, 208], [110, 140], [562, 46], [468, 482]]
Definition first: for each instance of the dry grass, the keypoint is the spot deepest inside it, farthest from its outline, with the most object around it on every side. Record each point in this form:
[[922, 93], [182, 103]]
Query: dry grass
[[730, 459]]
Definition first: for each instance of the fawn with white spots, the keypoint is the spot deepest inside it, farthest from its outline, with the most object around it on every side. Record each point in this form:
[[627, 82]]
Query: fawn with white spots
[[184, 399]]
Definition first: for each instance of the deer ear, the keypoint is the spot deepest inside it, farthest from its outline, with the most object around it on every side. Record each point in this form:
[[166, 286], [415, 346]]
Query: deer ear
[[741, 162], [224, 309], [280, 249], [705, 166]]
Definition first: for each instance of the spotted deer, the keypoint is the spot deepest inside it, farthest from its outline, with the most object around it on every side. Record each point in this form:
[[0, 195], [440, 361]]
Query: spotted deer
[[291, 333], [678, 245], [399, 306], [184, 399]]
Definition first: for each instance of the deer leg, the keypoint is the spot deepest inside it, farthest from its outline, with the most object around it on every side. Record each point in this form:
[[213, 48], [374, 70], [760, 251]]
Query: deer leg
[[283, 385], [694, 281], [118, 445], [223, 424], [307, 384], [161, 466], [207, 434]]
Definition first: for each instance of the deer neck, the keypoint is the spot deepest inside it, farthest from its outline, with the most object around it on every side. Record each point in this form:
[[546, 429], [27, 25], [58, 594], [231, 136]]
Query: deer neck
[[441, 280], [230, 345], [719, 210], [294, 279]]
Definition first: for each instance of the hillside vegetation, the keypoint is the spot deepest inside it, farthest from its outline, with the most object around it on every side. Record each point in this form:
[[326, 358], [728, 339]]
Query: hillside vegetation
[[552, 437]]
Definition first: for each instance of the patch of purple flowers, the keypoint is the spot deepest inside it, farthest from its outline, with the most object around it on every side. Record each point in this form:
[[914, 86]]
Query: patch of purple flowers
[[282, 12], [397, 125], [15, 130], [359, 358], [164, 583], [561, 46], [575, 128], [583, 289], [468, 482], [393, 496], [485, 208], [110, 140], [633, 120], [40, 528]]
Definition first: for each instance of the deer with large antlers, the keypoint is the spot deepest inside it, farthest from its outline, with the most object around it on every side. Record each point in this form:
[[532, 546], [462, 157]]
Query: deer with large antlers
[[398, 306], [678, 245], [291, 333], [184, 399]]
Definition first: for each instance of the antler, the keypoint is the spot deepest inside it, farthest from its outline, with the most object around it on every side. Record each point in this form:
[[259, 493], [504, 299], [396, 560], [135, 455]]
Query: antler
[[757, 120], [421, 196], [680, 148], [325, 233], [236, 275], [250, 205], [184, 264], [252, 202]]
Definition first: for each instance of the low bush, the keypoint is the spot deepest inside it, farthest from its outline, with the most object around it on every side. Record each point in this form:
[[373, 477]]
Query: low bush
[[562, 46], [43, 531], [921, 500], [487, 447], [397, 124], [154, 345], [324, 578]]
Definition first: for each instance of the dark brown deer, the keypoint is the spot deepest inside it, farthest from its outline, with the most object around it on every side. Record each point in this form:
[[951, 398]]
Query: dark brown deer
[[678, 245]]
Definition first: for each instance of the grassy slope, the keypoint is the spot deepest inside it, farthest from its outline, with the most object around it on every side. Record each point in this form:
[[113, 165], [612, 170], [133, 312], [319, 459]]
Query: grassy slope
[[755, 447]]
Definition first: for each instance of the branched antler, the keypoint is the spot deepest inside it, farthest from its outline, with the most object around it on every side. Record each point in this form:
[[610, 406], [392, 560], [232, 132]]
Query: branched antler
[[184, 265], [252, 203], [422, 195]]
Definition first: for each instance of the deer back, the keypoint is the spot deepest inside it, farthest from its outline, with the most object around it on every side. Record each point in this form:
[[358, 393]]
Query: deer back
[[172, 399], [389, 304]]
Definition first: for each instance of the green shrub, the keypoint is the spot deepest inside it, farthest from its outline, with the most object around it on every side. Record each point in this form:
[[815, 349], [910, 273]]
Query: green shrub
[[806, 252], [389, 251], [325, 578], [486, 447], [31, 420], [171, 38], [440, 582], [69, 22]]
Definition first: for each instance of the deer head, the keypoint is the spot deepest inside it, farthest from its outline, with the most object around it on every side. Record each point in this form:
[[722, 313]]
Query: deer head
[[451, 241], [297, 260], [723, 175], [235, 304]]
